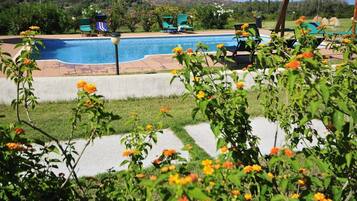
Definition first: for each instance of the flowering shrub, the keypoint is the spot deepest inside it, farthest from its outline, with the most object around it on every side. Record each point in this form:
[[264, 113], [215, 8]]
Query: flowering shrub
[[213, 15]]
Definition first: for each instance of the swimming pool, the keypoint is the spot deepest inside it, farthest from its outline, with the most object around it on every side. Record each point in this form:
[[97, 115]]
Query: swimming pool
[[101, 51]]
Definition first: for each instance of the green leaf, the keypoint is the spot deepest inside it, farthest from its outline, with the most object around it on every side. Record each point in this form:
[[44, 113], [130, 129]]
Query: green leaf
[[324, 92], [283, 185], [348, 159], [197, 194], [236, 178], [338, 120], [278, 198]]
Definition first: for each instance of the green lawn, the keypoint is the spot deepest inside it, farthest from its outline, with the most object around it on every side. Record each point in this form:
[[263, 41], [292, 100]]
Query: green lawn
[[55, 117], [345, 25]]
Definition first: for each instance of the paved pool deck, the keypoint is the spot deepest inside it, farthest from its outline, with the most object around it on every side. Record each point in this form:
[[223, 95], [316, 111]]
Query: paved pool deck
[[150, 64]]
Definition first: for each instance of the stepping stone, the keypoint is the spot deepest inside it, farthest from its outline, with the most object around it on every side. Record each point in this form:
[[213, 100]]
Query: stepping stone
[[106, 153], [261, 127]]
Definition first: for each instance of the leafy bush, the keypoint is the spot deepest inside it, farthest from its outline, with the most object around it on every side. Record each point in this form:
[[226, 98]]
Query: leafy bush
[[51, 18], [213, 16]]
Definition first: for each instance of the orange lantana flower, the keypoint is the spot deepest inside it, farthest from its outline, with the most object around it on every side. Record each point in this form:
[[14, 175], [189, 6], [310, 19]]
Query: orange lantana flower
[[228, 165], [248, 196], [293, 65], [200, 94], [223, 149], [274, 151], [220, 46], [27, 61], [307, 55], [90, 88], [177, 50], [288, 153], [19, 131], [240, 85], [247, 169], [235, 192], [81, 84], [164, 109], [169, 152], [15, 146], [208, 170]]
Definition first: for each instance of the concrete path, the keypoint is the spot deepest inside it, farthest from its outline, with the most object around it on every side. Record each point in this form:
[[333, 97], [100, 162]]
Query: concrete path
[[106, 153], [261, 127]]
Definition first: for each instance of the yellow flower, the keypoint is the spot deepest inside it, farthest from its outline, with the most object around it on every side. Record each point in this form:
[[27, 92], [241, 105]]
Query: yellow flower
[[172, 167], [319, 196], [346, 41], [301, 182], [140, 176], [200, 95], [164, 109], [220, 46], [235, 192], [34, 28], [244, 26], [149, 127], [270, 175], [248, 196], [240, 85], [206, 162], [208, 170], [257, 168], [174, 72], [129, 152], [153, 177], [295, 196], [245, 34], [196, 79], [247, 169], [174, 179], [164, 169], [223, 149], [90, 88], [177, 50], [81, 84]]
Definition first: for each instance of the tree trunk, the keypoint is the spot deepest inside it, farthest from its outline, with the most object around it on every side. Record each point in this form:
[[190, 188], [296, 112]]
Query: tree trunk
[[354, 21], [280, 24]]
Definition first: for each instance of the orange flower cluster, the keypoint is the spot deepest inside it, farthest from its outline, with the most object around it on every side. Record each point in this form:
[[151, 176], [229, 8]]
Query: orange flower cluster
[[27, 61], [176, 179], [287, 152], [19, 131], [183, 198], [346, 41], [235, 192], [321, 197], [293, 65], [240, 85], [252, 168], [300, 20], [189, 51], [15, 146], [228, 165], [169, 152], [164, 109], [223, 150], [130, 152], [89, 88], [140, 175], [242, 33], [177, 50], [274, 151]]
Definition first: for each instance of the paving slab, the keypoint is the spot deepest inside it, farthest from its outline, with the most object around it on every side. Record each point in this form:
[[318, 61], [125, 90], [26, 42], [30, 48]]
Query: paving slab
[[261, 127], [106, 153]]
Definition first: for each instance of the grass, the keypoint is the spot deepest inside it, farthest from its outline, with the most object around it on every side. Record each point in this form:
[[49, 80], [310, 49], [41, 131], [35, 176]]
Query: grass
[[345, 25], [55, 117]]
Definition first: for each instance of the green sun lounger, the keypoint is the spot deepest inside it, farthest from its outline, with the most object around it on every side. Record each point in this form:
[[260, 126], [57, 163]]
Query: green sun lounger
[[84, 26], [167, 26], [182, 23]]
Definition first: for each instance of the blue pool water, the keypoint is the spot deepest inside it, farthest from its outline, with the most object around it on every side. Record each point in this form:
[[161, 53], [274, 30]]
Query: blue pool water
[[101, 51]]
